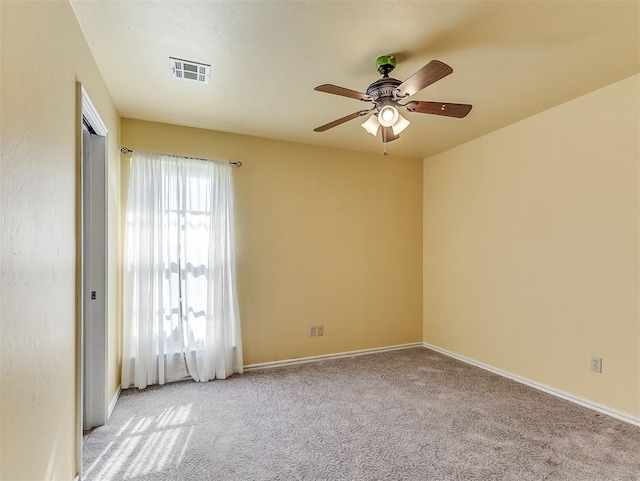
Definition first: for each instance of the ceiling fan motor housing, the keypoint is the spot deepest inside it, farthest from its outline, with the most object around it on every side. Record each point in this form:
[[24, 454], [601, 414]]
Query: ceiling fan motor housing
[[381, 91]]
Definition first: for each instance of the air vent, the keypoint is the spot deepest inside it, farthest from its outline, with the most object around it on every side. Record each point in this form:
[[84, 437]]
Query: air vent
[[187, 70]]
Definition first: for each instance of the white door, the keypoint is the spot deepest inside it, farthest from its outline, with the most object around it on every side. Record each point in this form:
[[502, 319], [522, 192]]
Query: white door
[[94, 273]]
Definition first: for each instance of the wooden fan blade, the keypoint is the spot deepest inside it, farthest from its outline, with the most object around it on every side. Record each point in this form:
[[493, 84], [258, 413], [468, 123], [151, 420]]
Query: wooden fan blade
[[335, 90], [342, 120], [430, 73], [388, 135], [439, 108]]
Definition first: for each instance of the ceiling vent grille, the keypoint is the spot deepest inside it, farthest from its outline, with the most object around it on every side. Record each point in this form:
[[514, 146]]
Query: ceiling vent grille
[[187, 70]]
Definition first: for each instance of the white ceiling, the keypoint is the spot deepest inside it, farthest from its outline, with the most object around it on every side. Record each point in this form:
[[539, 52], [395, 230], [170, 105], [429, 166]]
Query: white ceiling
[[511, 59]]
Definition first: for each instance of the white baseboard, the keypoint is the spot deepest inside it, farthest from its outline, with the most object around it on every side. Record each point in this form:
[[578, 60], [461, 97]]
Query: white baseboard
[[541, 387], [113, 402], [302, 360]]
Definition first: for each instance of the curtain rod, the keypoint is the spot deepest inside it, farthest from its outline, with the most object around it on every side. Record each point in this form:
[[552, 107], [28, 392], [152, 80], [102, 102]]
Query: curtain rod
[[237, 163]]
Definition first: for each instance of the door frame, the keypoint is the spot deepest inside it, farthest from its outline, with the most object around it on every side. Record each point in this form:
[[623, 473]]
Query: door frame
[[97, 356]]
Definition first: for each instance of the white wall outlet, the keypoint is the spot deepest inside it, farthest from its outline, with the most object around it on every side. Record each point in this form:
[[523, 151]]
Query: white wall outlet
[[596, 364], [312, 331], [320, 330]]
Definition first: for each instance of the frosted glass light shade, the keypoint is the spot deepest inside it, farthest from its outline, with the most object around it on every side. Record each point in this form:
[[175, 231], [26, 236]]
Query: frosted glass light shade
[[371, 125], [388, 116], [400, 125]]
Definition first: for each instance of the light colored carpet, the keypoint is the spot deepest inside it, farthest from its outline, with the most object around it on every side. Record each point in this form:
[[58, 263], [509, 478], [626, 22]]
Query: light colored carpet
[[403, 415]]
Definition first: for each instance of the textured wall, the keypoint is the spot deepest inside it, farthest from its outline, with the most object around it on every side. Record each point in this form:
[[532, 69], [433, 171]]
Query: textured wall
[[325, 236], [43, 56], [531, 247]]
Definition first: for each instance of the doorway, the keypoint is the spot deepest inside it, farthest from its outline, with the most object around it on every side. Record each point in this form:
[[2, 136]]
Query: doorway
[[92, 244]]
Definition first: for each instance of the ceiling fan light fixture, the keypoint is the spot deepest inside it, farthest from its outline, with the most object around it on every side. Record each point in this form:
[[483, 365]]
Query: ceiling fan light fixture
[[400, 125], [371, 125], [388, 115]]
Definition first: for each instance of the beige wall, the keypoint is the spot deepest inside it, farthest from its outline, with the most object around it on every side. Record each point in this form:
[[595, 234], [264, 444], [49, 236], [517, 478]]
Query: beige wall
[[325, 236], [531, 247], [44, 54]]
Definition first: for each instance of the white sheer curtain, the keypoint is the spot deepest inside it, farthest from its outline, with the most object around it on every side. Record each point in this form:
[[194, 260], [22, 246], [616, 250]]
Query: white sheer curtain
[[180, 303]]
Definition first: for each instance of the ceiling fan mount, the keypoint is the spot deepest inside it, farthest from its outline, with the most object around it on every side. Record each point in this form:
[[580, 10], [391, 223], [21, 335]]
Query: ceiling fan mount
[[385, 64], [386, 93]]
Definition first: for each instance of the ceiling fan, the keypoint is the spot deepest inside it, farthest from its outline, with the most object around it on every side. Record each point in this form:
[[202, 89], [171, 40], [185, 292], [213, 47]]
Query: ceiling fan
[[387, 93]]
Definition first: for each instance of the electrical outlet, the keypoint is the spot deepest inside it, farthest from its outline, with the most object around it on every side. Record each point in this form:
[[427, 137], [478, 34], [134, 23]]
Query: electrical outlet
[[312, 331], [596, 364], [320, 330]]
